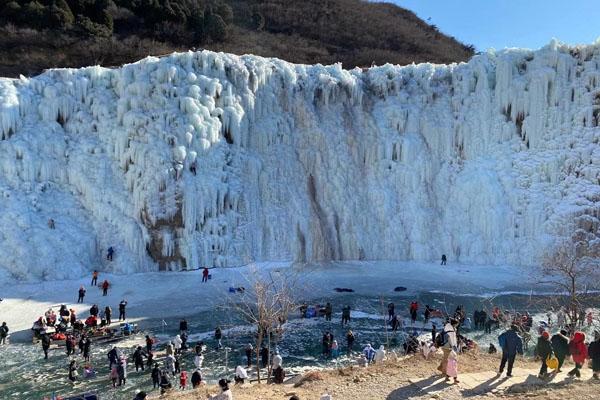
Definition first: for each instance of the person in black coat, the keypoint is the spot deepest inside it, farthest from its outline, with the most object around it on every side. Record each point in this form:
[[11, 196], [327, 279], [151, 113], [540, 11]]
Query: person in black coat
[[122, 306], [155, 376], [87, 349], [46, 345], [560, 345], [138, 358], [108, 315], [183, 326], [264, 356], [594, 355], [94, 310], [511, 344], [544, 350], [113, 356], [196, 379]]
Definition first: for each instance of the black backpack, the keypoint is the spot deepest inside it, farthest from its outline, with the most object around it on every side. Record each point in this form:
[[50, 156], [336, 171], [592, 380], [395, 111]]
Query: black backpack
[[441, 339]]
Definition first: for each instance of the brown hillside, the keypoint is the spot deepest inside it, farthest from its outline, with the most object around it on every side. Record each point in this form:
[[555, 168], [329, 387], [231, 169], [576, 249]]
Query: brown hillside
[[354, 32]]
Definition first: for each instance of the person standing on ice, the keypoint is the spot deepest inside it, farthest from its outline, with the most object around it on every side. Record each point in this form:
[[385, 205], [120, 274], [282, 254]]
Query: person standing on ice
[[345, 315], [46, 345], [109, 253], [87, 348], [122, 306], [444, 259], [94, 278], [205, 275], [81, 294], [218, 337], [108, 315], [328, 311], [414, 308], [391, 311], [105, 286], [511, 345], [3, 333], [183, 326], [138, 359]]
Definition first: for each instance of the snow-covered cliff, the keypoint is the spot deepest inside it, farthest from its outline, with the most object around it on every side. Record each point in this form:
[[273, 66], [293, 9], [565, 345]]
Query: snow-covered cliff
[[484, 161]]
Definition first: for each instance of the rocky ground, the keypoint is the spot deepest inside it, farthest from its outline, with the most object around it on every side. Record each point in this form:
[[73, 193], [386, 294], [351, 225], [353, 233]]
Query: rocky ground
[[414, 378]]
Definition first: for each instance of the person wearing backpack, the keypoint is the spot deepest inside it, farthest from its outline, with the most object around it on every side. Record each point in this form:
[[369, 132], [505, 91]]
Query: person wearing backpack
[[544, 350], [511, 344], [560, 344], [447, 341]]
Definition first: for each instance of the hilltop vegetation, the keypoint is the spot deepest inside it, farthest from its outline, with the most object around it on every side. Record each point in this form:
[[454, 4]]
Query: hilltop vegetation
[[39, 34]]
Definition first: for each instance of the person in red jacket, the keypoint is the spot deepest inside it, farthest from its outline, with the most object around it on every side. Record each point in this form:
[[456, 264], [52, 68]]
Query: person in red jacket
[[105, 286], [579, 352], [205, 275], [183, 380]]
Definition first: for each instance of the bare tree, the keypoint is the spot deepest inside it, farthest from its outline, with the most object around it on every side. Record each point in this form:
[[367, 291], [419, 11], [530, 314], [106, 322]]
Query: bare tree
[[266, 305], [571, 267]]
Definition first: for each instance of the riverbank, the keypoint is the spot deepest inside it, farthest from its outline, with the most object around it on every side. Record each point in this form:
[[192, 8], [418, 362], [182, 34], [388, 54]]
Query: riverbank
[[415, 378]]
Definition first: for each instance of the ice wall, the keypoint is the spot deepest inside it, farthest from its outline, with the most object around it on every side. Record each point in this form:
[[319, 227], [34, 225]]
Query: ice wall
[[484, 161]]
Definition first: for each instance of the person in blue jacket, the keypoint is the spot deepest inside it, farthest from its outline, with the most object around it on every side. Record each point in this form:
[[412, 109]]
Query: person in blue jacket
[[511, 344]]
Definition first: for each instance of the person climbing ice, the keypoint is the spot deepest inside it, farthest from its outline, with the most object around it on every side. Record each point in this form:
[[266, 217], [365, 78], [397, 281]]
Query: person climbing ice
[[105, 286], [94, 278], [109, 253]]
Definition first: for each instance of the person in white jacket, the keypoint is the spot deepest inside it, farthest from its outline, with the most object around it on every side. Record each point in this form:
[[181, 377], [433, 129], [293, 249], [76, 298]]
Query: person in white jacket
[[198, 360], [277, 361], [449, 343], [380, 354], [177, 344], [240, 374]]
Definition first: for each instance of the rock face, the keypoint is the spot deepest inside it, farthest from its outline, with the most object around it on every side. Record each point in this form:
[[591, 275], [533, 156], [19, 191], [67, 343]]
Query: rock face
[[485, 162]]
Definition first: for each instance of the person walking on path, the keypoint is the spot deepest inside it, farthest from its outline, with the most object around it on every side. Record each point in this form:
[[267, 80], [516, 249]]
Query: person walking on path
[[511, 345], [205, 275], [543, 350], [81, 294], [452, 367], [122, 306], [560, 345], [94, 278], [579, 353], [444, 259], [594, 354], [448, 343]]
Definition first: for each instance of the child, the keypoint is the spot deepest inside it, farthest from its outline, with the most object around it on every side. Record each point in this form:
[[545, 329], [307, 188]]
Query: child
[[114, 375], [183, 380], [452, 367]]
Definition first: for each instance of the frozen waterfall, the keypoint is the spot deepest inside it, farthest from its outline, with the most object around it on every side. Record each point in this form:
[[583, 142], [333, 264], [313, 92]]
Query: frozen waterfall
[[484, 161]]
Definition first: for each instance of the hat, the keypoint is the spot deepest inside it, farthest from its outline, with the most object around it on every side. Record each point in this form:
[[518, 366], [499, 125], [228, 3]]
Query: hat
[[545, 335]]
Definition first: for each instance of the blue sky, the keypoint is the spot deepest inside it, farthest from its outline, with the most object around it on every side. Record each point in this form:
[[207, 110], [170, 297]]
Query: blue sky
[[511, 23]]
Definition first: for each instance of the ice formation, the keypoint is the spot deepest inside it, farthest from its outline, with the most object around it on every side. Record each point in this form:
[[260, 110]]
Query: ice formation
[[484, 161]]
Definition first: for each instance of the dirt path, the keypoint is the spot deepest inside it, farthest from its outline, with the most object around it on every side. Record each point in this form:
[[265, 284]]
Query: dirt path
[[414, 378]]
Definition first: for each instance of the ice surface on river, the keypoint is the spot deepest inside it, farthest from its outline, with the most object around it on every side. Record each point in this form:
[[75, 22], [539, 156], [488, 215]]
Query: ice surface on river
[[484, 161]]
